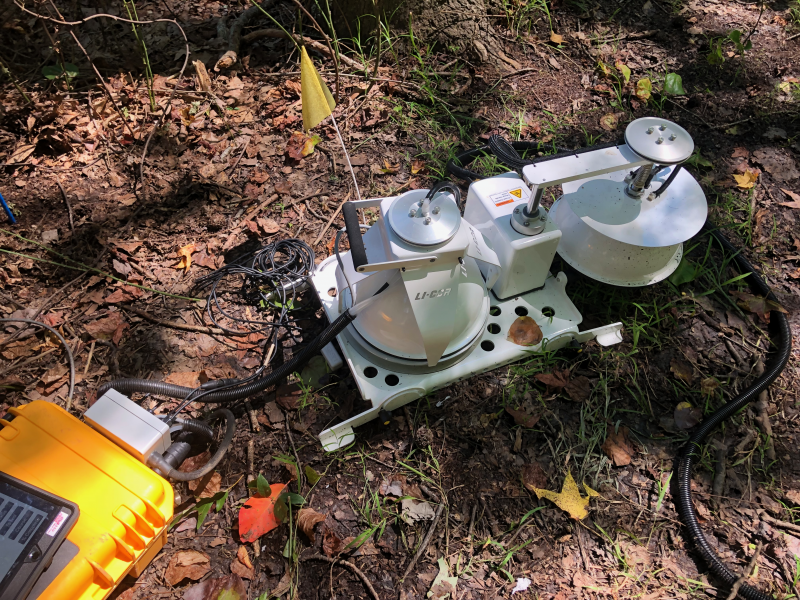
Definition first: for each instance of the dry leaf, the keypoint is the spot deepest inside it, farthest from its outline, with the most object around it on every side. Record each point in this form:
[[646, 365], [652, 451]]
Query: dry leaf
[[185, 257], [556, 380], [523, 418], [795, 199], [332, 544], [618, 446], [524, 332], [190, 379], [109, 328], [556, 38], [579, 389], [417, 166], [533, 476], [187, 564], [268, 226], [747, 179], [242, 565], [686, 416], [230, 587], [682, 370], [284, 186], [708, 385], [257, 516], [307, 518], [757, 304], [569, 499], [608, 122], [444, 586], [740, 152], [203, 80], [554, 63]]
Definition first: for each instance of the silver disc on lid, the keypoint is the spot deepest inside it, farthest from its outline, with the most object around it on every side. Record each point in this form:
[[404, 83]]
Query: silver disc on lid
[[425, 222], [659, 140]]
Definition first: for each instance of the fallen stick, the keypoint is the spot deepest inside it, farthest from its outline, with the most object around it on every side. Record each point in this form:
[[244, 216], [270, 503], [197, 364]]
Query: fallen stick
[[328, 224], [762, 413], [773, 521], [69, 207], [427, 540], [347, 564], [174, 325], [746, 574], [319, 47]]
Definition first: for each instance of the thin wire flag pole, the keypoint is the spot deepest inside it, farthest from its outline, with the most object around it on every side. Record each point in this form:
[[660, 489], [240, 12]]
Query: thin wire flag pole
[[346, 156]]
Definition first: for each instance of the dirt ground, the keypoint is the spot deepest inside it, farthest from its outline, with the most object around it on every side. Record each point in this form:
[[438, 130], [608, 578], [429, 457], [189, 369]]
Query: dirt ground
[[101, 245]]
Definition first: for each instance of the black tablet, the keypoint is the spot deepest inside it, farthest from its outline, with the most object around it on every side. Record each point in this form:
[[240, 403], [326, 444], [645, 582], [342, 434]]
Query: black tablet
[[33, 524]]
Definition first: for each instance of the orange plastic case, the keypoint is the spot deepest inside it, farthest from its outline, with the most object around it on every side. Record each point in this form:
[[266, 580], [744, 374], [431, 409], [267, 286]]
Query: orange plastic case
[[124, 506]]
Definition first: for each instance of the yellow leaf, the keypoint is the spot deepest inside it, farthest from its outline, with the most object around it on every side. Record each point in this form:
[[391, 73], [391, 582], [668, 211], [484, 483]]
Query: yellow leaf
[[747, 180], [556, 39], [417, 166], [569, 499], [185, 256]]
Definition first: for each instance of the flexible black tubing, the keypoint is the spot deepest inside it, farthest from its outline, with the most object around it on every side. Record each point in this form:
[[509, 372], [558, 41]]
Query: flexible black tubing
[[779, 325], [227, 439], [129, 386], [199, 428]]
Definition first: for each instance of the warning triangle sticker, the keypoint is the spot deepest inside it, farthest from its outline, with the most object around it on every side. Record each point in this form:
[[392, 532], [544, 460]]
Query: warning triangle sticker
[[517, 193]]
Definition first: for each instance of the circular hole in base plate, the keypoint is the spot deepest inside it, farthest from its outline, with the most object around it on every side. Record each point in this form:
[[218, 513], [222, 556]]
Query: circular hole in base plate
[[370, 372], [487, 345], [494, 311], [392, 379], [332, 292], [493, 328], [521, 311], [548, 312]]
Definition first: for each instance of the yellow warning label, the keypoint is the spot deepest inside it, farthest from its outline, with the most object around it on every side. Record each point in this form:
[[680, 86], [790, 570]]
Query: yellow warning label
[[517, 192], [510, 196]]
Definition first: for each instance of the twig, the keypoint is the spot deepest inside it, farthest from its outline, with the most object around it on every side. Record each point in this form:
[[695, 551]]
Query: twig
[[69, 207], [27, 361], [89, 360], [251, 460], [253, 418], [261, 207], [746, 574], [277, 33], [328, 224], [241, 154], [174, 325], [333, 54], [762, 514], [762, 413], [472, 521], [785, 572], [347, 564], [234, 36], [427, 540]]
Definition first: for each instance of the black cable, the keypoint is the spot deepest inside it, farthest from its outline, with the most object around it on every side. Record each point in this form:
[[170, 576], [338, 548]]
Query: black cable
[[270, 278], [234, 391], [779, 325], [675, 170], [63, 343]]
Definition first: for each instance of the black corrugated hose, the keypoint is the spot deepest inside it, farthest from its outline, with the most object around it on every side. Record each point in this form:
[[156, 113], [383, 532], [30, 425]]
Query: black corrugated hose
[[779, 328], [159, 388]]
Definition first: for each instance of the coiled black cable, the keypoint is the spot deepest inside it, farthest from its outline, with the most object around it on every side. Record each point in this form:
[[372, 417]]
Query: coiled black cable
[[270, 277], [779, 326]]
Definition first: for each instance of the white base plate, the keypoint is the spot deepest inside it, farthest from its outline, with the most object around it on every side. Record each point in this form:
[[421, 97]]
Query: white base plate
[[390, 390]]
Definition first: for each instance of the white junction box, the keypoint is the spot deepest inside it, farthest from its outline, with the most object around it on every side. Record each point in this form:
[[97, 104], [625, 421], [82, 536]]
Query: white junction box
[[128, 425], [524, 260]]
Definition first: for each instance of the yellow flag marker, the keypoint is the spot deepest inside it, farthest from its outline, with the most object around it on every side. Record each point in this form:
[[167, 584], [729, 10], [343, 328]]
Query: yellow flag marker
[[318, 102]]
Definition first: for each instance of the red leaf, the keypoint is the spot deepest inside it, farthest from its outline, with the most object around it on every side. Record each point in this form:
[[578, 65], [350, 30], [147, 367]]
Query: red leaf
[[257, 516], [556, 380]]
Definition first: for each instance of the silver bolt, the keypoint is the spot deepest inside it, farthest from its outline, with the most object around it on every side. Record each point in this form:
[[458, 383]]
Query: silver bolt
[[650, 130], [412, 213], [436, 210], [543, 218], [673, 137], [660, 140], [516, 211], [526, 223], [427, 220], [663, 128]]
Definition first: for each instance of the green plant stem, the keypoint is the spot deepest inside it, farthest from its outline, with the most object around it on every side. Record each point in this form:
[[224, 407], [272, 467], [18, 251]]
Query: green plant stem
[[13, 79], [334, 55], [57, 50], [130, 7], [271, 18]]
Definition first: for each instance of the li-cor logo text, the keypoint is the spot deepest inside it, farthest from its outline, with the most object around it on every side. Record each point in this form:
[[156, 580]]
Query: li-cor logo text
[[433, 294]]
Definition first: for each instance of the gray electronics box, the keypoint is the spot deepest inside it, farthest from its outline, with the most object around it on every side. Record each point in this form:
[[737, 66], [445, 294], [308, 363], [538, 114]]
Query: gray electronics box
[[128, 425]]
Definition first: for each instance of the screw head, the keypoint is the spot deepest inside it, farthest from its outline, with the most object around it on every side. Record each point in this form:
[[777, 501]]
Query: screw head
[[526, 223], [436, 210], [516, 211], [543, 218], [412, 213], [650, 130], [673, 137], [660, 140], [427, 220], [663, 128]]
